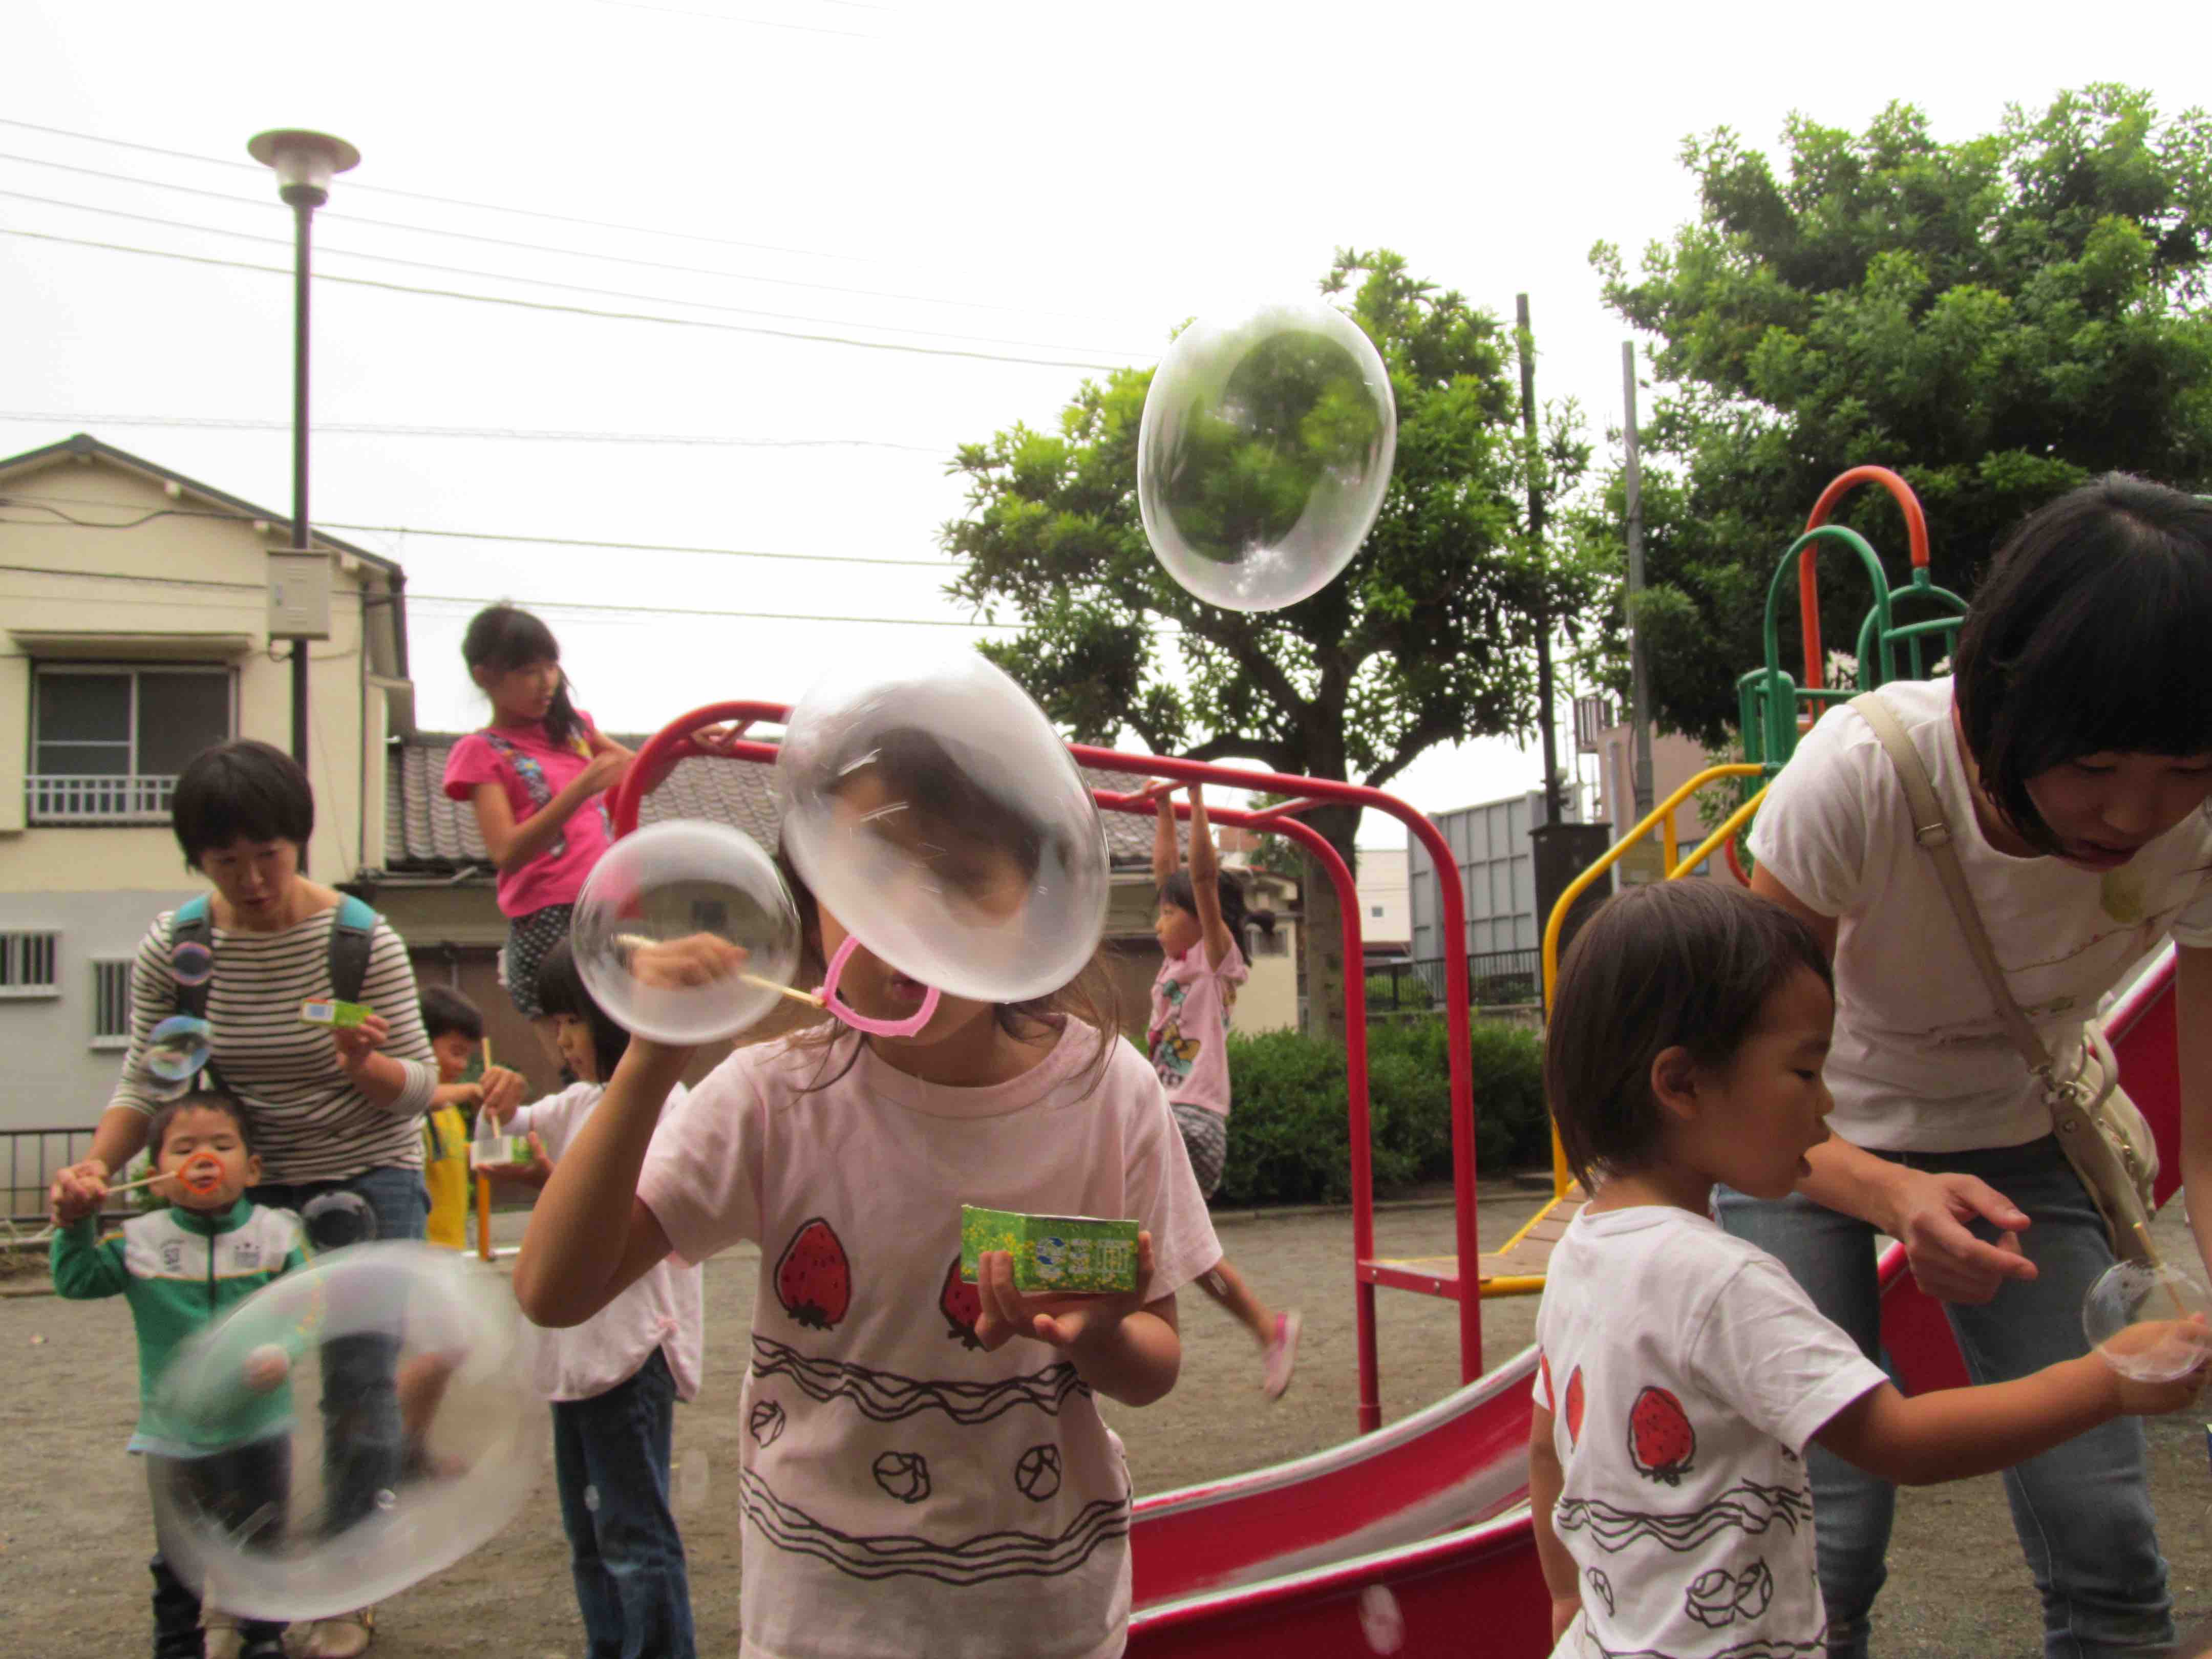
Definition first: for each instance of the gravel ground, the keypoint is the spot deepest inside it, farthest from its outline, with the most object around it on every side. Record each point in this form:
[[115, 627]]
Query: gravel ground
[[74, 1530]]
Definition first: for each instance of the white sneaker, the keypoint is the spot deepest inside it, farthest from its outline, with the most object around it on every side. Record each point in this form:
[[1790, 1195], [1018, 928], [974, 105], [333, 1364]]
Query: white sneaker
[[1282, 1355], [345, 1637]]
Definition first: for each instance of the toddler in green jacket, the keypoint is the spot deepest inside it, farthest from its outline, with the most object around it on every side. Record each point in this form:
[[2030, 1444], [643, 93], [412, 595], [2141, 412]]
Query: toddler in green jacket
[[181, 1269]]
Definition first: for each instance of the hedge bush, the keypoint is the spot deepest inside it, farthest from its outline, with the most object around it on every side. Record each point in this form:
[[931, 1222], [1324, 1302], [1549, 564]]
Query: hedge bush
[[1287, 1134]]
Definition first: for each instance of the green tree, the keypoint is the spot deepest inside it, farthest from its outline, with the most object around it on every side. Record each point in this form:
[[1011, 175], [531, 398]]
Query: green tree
[[1998, 319], [1427, 637]]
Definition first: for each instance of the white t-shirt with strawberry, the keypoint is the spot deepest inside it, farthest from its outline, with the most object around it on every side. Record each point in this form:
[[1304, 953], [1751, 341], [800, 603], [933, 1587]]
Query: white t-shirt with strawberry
[[904, 1491], [1686, 1371]]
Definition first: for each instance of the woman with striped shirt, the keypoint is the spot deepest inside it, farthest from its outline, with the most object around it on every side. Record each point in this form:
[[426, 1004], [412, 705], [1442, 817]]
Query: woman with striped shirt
[[333, 1112]]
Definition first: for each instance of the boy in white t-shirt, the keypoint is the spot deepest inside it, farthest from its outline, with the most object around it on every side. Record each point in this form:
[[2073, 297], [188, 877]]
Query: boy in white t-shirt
[[1682, 1371]]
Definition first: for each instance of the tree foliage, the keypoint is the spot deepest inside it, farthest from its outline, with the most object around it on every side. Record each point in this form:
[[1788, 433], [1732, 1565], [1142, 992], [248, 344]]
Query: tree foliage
[[1997, 319]]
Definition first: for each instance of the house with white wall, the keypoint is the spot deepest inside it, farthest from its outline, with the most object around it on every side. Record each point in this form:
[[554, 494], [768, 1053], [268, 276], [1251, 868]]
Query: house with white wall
[[134, 632]]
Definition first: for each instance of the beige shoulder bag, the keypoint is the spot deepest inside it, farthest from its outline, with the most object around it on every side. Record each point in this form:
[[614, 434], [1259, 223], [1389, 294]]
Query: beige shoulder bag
[[2100, 1130]]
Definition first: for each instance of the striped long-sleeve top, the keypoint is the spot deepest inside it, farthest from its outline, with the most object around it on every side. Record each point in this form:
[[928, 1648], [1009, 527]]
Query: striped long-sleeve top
[[310, 1122]]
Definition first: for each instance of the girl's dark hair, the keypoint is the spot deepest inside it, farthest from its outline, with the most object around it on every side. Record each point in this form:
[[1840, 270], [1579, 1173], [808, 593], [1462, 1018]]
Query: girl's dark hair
[[446, 1010], [1177, 890], [503, 638], [561, 991], [200, 1100], [1091, 997], [1676, 964], [2089, 635], [241, 791]]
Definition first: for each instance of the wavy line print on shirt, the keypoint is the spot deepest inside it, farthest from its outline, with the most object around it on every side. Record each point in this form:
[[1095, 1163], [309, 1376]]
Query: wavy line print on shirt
[[885, 1396], [975, 1560], [1758, 1647], [1748, 1507]]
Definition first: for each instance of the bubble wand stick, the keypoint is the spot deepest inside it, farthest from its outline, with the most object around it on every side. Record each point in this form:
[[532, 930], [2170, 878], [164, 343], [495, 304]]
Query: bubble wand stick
[[2158, 1264], [639, 941], [200, 1173]]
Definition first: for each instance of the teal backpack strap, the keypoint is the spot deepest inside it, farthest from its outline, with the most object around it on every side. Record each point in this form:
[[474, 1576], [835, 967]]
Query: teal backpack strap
[[351, 935]]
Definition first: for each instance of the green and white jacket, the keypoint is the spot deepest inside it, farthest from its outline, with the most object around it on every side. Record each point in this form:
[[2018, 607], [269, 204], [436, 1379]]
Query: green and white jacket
[[182, 1271]]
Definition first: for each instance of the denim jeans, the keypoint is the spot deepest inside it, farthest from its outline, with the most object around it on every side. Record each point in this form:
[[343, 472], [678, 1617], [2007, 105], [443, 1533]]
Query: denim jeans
[[2082, 1511], [610, 1458], [362, 1432]]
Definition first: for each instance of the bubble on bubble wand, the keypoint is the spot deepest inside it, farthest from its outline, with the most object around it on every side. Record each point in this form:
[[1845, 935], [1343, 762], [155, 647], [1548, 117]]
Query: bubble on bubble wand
[[2125, 1318]]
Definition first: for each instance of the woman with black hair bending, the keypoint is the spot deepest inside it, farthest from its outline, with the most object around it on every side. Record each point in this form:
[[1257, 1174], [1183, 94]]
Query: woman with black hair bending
[[2071, 757]]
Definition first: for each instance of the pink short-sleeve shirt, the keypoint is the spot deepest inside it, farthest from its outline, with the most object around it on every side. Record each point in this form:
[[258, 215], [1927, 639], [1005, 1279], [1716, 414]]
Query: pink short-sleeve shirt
[[1189, 1030], [554, 877], [902, 1488]]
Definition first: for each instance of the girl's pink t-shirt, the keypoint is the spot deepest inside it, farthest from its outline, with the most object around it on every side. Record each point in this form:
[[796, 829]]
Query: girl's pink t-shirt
[[902, 1488], [552, 878], [1189, 1028]]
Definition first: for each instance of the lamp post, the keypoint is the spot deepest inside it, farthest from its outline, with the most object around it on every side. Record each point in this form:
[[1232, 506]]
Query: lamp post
[[305, 163]]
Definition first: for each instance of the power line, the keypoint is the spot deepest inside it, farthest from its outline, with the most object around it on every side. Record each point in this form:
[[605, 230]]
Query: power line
[[568, 310], [258, 204], [522, 433], [54, 504], [533, 281]]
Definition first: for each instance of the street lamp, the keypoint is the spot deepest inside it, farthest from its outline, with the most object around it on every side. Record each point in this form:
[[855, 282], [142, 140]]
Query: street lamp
[[305, 164]]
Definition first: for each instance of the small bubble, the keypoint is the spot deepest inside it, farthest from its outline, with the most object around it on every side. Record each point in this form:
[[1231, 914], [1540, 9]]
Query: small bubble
[[387, 1500], [592, 1499], [1381, 1620]]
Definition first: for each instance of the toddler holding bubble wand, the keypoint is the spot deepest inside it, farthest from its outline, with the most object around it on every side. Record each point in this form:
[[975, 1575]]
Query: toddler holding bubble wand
[[936, 1441], [181, 1269], [1682, 1372]]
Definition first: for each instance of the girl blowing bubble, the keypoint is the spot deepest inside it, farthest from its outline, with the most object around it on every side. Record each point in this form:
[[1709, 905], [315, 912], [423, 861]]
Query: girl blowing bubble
[[1683, 1374], [924, 1468]]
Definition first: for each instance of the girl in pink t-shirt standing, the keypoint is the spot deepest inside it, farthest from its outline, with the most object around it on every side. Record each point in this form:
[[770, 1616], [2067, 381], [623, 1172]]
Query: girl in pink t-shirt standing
[[923, 1465], [534, 776], [1201, 914]]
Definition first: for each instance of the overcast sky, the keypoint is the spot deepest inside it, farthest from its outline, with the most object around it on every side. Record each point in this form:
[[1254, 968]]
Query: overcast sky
[[1044, 181]]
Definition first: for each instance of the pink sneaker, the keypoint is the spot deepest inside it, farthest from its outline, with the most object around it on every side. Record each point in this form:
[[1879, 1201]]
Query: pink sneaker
[[1282, 1355]]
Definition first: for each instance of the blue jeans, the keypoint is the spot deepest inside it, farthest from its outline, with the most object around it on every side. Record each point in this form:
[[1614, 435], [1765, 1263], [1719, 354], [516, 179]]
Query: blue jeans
[[610, 1458], [361, 1432], [2082, 1511]]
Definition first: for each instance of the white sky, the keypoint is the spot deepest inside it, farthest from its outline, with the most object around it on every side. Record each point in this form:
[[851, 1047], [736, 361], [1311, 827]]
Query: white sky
[[1079, 178]]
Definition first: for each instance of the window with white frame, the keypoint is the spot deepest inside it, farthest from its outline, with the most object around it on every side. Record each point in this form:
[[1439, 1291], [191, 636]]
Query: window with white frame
[[111, 1004], [27, 964], [108, 741]]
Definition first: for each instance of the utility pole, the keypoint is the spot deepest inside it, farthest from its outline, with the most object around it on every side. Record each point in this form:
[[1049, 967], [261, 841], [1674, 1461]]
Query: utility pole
[[1639, 664], [1553, 810]]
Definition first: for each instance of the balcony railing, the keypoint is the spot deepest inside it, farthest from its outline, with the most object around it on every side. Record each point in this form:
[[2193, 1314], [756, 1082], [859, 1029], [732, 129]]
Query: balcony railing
[[59, 799]]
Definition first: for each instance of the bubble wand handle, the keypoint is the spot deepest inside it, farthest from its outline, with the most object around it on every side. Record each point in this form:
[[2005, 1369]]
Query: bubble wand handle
[[197, 1175], [812, 999]]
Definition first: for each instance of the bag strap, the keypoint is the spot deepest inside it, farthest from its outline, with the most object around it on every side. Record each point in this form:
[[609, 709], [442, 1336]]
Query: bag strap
[[1933, 831], [353, 933]]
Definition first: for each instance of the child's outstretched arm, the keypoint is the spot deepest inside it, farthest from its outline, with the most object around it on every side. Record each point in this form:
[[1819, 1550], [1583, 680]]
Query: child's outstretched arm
[[1547, 1480], [1205, 881], [1166, 859], [1954, 1433], [591, 1237]]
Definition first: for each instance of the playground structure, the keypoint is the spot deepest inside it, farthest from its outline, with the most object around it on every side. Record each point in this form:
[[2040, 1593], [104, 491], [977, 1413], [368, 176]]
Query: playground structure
[[1284, 1562]]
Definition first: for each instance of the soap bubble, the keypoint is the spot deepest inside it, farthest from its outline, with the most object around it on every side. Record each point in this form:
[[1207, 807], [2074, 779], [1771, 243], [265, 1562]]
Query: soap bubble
[[177, 1048], [692, 881], [285, 1473], [2136, 1317], [1381, 1621], [1264, 453], [934, 813]]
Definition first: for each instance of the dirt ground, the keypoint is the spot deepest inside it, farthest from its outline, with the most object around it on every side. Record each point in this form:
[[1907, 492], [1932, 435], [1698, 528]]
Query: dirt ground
[[74, 1532]]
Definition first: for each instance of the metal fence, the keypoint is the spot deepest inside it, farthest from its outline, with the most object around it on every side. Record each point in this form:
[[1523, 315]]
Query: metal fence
[[61, 797], [1496, 979], [33, 1156]]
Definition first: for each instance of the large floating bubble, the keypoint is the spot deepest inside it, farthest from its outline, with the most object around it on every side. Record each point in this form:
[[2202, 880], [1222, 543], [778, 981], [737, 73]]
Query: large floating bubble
[[2138, 1317], [655, 924], [289, 1483], [1264, 453], [934, 813]]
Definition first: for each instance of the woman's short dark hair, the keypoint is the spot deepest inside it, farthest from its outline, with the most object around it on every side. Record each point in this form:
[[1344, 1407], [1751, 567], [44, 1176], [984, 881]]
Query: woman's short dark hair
[[447, 1010], [200, 1100], [1177, 890], [504, 637], [2091, 634], [561, 990], [1676, 964], [241, 791]]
